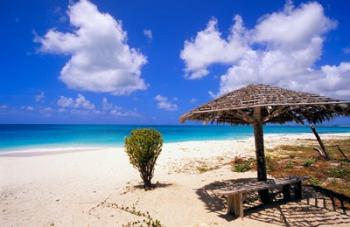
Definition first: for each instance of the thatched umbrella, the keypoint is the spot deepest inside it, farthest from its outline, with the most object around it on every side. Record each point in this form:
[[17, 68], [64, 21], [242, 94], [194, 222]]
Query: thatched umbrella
[[260, 104]]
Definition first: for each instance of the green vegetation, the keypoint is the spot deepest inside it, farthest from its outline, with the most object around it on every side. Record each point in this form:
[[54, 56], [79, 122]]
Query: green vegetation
[[242, 165], [309, 162], [314, 181], [145, 219], [270, 163], [291, 160], [338, 172], [143, 147], [297, 160], [203, 168], [289, 164]]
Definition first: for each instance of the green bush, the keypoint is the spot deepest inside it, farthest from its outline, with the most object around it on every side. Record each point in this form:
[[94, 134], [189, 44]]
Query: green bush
[[143, 147], [309, 162], [338, 172]]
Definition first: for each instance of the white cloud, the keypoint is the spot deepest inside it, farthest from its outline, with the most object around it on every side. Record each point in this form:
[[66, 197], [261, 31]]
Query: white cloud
[[282, 49], [148, 33], [164, 104], [78, 103], [28, 108], [65, 102], [114, 110], [39, 97], [209, 47], [123, 113], [46, 111], [193, 100], [106, 105], [81, 106], [212, 94], [293, 27], [101, 60]]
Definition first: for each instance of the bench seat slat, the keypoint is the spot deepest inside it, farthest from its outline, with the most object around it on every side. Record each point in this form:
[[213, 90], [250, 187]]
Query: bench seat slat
[[257, 186]]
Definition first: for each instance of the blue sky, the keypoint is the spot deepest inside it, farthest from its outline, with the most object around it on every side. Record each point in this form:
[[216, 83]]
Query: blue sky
[[149, 62]]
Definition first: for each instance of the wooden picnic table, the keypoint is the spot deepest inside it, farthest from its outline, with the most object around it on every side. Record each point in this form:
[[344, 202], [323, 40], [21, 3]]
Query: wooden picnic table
[[235, 192]]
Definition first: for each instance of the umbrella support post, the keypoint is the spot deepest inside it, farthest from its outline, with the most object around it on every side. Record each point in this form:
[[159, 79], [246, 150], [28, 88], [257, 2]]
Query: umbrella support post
[[323, 148], [260, 155]]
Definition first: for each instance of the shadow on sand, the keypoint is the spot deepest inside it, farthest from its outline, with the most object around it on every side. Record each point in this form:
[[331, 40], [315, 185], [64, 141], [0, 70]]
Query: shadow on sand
[[132, 188], [314, 209]]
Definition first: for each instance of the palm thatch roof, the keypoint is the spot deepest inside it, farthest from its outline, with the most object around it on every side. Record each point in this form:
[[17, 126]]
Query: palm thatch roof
[[277, 105]]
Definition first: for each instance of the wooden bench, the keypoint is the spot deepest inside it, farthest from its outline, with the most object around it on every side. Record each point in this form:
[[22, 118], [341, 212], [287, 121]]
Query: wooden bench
[[235, 192]]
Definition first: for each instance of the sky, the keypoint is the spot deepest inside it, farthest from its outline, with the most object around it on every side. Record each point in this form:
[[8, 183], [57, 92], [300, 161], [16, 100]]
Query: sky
[[148, 62]]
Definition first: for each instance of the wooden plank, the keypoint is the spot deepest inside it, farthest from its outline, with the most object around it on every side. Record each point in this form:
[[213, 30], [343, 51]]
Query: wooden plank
[[286, 192], [260, 185], [278, 111], [230, 204], [235, 205], [241, 211], [298, 191]]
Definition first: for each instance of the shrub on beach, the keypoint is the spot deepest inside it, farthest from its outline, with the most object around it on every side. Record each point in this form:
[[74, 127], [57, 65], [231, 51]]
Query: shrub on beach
[[143, 147]]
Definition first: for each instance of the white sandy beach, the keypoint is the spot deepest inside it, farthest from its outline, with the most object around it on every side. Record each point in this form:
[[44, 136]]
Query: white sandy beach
[[45, 188]]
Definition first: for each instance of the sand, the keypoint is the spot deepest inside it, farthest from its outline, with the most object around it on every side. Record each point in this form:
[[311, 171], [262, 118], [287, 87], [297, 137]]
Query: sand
[[93, 186]]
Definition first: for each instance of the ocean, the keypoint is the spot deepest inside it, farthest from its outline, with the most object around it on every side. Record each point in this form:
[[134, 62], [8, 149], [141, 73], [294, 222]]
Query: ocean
[[13, 137]]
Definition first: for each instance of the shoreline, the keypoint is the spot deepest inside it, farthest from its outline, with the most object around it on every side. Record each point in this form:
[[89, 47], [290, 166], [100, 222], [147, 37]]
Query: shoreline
[[49, 149]]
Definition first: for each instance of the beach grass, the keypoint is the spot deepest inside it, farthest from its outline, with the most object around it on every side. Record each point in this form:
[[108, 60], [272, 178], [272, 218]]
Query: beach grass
[[303, 160]]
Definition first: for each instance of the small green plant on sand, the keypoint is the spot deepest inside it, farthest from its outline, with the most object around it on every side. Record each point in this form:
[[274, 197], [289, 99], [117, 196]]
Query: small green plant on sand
[[270, 163], [203, 168], [242, 165], [143, 147], [314, 181], [338, 172], [309, 162], [289, 164]]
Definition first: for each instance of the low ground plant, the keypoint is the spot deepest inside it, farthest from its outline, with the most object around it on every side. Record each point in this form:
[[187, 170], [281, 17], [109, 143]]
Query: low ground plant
[[309, 162]]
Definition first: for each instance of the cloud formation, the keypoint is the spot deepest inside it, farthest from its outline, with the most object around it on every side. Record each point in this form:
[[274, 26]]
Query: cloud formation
[[148, 33], [282, 49], [116, 111], [164, 103], [39, 97], [101, 60], [209, 47], [79, 102]]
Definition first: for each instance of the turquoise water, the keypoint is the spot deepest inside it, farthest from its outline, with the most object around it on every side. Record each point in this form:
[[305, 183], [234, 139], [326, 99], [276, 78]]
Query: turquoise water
[[29, 136]]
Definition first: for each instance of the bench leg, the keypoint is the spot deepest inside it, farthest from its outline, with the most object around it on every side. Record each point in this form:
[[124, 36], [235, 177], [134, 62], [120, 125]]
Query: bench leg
[[298, 191], [286, 192], [235, 205], [265, 196]]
